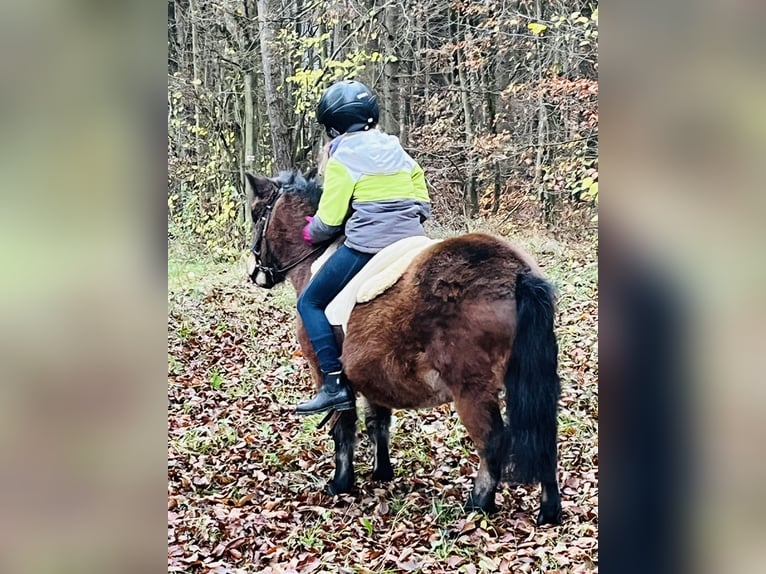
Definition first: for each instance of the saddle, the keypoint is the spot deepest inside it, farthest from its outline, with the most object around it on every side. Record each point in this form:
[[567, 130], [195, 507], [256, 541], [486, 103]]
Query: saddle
[[378, 275]]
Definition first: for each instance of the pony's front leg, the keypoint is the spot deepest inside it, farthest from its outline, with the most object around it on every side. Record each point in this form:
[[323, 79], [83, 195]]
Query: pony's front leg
[[377, 420], [344, 436], [482, 496]]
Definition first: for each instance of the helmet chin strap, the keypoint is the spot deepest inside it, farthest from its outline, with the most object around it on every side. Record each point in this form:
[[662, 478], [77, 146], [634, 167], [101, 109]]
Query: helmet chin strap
[[333, 133]]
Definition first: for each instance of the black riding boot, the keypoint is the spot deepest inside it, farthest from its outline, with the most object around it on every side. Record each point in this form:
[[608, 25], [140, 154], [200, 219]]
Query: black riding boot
[[335, 394]]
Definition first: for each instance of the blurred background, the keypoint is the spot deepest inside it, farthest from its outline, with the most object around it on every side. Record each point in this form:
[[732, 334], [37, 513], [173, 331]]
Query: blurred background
[[82, 226], [683, 141]]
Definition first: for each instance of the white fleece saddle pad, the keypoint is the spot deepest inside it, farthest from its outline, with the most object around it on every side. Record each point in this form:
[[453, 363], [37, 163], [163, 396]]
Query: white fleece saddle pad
[[380, 273]]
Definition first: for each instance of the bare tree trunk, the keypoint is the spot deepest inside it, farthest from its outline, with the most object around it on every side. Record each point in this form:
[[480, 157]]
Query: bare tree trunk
[[417, 68], [248, 131], [497, 187], [249, 115], [389, 115], [542, 129], [193, 14], [403, 113], [180, 36], [470, 191], [465, 100], [280, 139]]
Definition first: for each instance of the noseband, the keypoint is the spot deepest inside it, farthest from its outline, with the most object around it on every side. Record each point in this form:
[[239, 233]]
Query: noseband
[[260, 249]]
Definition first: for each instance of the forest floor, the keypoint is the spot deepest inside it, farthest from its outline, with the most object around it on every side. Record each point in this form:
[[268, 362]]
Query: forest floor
[[245, 474]]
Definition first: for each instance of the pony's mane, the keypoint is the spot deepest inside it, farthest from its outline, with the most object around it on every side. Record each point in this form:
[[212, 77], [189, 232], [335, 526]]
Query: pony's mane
[[304, 186]]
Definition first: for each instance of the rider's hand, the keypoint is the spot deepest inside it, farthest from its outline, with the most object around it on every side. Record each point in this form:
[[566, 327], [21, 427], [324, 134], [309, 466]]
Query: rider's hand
[[305, 233]]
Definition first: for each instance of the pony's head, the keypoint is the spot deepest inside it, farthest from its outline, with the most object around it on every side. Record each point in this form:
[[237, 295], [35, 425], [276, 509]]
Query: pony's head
[[278, 206]]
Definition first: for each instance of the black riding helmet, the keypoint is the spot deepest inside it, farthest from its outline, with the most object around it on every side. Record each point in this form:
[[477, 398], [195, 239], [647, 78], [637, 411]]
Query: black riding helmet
[[347, 106]]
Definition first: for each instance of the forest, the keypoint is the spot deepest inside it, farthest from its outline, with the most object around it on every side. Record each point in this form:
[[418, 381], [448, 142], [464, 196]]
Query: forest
[[498, 102]]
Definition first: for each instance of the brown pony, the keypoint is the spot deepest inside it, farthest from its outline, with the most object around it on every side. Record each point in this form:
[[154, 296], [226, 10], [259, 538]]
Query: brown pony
[[471, 316]]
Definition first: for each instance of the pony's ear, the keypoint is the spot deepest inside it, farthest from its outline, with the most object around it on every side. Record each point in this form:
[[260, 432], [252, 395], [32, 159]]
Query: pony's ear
[[260, 185]]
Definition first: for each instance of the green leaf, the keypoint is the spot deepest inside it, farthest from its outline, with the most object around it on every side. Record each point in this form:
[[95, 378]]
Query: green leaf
[[367, 523], [537, 28]]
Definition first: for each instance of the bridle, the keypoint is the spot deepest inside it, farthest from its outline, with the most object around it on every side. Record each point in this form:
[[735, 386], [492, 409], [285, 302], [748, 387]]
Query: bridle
[[260, 249]]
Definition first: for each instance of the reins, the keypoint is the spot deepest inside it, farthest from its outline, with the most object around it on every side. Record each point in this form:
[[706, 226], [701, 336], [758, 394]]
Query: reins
[[271, 271]]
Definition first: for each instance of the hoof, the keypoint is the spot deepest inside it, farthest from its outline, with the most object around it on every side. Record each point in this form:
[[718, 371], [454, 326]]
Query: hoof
[[334, 488], [385, 474], [549, 517], [486, 506]]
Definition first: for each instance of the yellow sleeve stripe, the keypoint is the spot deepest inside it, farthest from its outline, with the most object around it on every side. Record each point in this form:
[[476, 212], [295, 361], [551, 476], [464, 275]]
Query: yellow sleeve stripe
[[336, 197]]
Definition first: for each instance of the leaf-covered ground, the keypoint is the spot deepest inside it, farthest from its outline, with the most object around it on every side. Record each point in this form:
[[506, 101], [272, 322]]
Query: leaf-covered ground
[[245, 474]]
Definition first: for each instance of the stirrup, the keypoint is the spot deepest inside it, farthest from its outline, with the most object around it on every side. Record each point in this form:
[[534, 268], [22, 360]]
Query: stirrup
[[334, 415], [341, 406]]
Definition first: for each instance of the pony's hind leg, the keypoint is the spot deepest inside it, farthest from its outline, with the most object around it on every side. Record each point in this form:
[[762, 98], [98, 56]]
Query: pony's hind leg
[[550, 503], [550, 499], [484, 423], [344, 436], [377, 420]]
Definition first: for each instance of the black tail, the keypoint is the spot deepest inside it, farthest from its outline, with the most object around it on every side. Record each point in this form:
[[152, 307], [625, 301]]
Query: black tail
[[532, 384]]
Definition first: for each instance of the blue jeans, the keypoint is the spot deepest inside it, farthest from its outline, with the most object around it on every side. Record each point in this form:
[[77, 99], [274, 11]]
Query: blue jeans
[[326, 284]]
